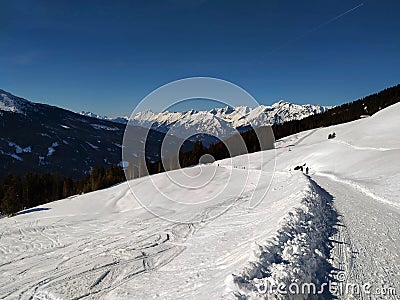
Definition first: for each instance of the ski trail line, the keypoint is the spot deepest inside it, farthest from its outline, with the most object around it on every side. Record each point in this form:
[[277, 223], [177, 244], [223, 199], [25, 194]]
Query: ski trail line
[[364, 248]]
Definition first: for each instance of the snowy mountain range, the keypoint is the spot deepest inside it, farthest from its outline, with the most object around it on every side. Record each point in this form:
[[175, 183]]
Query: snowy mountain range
[[44, 138], [218, 122]]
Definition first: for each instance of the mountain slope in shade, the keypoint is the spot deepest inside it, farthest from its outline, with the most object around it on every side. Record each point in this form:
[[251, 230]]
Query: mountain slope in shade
[[42, 138]]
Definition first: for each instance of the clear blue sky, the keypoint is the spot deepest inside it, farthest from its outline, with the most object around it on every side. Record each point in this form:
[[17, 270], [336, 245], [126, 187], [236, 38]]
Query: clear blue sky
[[105, 56]]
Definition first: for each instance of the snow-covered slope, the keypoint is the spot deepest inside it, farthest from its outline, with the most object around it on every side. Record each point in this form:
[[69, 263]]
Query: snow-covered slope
[[343, 219], [359, 170]]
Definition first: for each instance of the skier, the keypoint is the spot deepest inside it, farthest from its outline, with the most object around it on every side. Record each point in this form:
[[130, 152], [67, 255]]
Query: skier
[[307, 170]]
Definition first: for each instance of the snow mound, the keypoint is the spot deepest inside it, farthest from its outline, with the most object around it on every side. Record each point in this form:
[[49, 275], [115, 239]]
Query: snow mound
[[297, 256]]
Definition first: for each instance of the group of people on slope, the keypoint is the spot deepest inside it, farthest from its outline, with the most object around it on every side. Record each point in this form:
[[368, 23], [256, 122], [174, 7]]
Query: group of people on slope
[[302, 168]]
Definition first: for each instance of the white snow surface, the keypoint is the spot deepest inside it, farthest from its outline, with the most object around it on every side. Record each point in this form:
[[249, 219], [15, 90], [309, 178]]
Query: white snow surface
[[105, 245], [19, 149], [52, 149], [93, 146], [104, 127]]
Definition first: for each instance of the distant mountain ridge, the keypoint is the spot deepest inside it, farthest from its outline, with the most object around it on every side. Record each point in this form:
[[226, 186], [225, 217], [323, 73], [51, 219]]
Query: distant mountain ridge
[[11, 103], [218, 122]]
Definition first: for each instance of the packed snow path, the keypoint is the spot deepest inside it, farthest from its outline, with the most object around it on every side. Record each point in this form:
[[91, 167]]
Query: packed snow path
[[360, 169], [367, 245]]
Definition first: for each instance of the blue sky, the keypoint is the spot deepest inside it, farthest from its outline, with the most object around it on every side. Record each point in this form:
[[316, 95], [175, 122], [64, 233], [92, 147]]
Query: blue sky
[[105, 56]]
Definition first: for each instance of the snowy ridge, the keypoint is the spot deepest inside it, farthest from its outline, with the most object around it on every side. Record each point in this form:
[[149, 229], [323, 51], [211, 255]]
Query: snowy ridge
[[218, 122], [184, 124], [299, 253], [11, 103], [277, 113], [122, 120]]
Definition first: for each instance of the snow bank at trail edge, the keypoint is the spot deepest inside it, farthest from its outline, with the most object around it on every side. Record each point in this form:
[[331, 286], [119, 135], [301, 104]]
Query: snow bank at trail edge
[[296, 257]]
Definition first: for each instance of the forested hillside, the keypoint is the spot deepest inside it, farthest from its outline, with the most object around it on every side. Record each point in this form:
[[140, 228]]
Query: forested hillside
[[341, 114]]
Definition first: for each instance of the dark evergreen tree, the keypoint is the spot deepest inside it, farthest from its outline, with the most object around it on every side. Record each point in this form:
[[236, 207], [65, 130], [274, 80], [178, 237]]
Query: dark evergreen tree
[[11, 201]]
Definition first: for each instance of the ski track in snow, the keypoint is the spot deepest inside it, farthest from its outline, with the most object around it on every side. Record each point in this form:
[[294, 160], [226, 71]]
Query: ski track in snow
[[359, 188], [91, 259], [94, 263], [105, 259], [366, 247], [361, 147]]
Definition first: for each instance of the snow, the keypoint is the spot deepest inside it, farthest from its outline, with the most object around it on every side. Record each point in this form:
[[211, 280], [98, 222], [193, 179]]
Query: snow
[[27, 149], [219, 122], [93, 146], [123, 164], [92, 115], [344, 218], [302, 240], [104, 127], [18, 150], [52, 149], [12, 103], [16, 157], [223, 122], [122, 120], [41, 161]]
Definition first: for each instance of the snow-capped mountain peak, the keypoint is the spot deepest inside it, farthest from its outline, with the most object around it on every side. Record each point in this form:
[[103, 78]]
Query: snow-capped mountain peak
[[122, 120], [11, 103], [219, 122]]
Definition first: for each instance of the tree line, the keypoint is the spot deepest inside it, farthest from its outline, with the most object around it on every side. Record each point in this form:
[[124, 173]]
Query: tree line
[[143, 167], [33, 189], [341, 114]]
